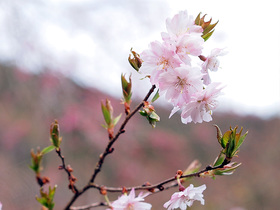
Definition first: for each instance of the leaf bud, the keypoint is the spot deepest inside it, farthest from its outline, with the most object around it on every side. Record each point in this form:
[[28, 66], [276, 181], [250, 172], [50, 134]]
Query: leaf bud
[[126, 89], [54, 133], [135, 62], [207, 27]]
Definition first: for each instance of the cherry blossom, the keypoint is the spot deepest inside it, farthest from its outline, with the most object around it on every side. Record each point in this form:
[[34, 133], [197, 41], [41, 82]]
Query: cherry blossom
[[170, 67], [190, 44], [180, 84], [180, 25], [200, 107], [185, 198], [159, 58], [130, 202], [211, 63]]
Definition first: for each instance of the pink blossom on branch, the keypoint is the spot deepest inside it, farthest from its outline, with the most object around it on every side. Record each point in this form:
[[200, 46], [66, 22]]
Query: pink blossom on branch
[[201, 106], [211, 63], [180, 84], [130, 202], [190, 44], [185, 198], [159, 58], [180, 25], [169, 65]]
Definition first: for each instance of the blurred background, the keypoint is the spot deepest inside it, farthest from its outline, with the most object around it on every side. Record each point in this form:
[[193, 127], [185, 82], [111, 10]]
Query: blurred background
[[59, 59]]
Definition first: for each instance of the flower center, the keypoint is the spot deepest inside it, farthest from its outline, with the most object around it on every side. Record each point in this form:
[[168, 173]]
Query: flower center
[[164, 62], [181, 84], [130, 207]]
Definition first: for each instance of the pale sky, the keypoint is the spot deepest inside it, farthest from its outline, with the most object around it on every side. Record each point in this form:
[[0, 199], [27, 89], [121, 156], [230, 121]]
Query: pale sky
[[89, 40]]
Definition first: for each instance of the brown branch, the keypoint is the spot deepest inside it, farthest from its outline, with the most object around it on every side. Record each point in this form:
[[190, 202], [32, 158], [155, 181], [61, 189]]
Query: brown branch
[[97, 204], [152, 188], [109, 149], [68, 170]]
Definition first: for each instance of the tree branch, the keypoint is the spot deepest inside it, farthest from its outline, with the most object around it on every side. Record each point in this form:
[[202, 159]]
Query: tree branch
[[109, 149], [68, 170], [152, 188]]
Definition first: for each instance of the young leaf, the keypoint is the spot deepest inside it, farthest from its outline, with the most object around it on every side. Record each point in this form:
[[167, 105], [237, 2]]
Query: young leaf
[[156, 96], [48, 149], [116, 120], [106, 114]]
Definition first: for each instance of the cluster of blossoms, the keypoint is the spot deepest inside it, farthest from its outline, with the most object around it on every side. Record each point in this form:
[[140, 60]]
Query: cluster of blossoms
[[169, 65], [181, 200]]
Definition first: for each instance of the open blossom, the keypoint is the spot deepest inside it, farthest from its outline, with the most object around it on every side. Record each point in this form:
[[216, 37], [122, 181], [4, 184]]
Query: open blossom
[[200, 108], [130, 202], [186, 198], [190, 44], [159, 58], [180, 25], [180, 84], [211, 63]]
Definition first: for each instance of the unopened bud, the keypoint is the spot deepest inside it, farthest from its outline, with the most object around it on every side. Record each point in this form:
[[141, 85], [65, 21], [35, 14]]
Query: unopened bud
[[135, 62]]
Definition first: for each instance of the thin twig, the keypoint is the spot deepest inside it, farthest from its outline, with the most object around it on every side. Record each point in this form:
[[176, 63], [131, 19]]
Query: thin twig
[[109, 149], [68, 170], [152, 188]]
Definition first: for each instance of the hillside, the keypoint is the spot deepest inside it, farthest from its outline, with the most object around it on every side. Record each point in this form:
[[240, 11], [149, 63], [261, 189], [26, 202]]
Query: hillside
[[29, 103]]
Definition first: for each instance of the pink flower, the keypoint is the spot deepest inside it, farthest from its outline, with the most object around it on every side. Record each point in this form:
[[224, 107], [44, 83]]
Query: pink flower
[[190, 44], [211, 63], [186, 198], [180, 25], [159, 58], [130, 202], [180, 84], [200, 107]]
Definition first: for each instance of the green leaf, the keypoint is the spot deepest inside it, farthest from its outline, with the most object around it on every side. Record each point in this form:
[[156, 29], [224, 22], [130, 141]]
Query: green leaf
[[220, 159], [230, 147], [209, 28], [240, 141], [48, 149], [227, 170], [156, 96], [154, 116], [197, 19], [207, 36], [106, 114], [219, 133], [143, 113], [225, 139], [116, 120]]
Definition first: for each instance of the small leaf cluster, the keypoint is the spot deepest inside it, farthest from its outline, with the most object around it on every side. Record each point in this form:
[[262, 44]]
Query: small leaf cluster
[[208, 28], [46, 199], [149, 112], [110, 121], [127, 93]]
